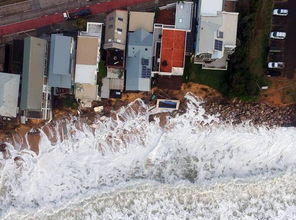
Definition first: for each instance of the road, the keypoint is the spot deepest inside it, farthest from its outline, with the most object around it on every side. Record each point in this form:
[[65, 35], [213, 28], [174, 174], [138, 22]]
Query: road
[[37, 8], [45, 20]]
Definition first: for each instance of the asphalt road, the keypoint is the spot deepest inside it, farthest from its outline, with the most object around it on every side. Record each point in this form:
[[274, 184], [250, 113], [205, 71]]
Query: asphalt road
[[58, 17], [39, 8]]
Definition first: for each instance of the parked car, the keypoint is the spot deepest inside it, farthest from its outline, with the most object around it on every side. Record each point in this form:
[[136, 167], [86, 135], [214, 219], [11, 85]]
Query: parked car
[[271, 73], [78, 14], [280, 12], [278, 35], [276, 65]]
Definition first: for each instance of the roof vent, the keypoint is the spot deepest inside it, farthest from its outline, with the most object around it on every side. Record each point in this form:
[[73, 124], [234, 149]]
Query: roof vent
[[220, 34]]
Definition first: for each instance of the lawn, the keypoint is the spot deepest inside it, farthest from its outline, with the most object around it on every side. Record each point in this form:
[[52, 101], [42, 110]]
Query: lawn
[[247, 66], [260, 37], [213, 78]]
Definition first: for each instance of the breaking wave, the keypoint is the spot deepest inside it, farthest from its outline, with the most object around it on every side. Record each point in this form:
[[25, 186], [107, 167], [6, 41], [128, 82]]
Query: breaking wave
[[125, 167]]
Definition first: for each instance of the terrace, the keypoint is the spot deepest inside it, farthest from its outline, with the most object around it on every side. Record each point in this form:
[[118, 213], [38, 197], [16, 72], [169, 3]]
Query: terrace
[[166, 16], [169, 82], [115, 58]]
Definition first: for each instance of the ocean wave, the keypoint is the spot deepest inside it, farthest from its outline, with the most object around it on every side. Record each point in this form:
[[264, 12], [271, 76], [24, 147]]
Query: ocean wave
[[125, 167]]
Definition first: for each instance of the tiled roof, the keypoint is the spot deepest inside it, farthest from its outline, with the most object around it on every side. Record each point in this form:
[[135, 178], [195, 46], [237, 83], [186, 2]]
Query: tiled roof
[[172, 50]]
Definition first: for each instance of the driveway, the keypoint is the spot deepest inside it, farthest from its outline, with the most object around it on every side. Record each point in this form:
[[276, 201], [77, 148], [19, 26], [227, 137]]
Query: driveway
[[290, 44], [287, 46]]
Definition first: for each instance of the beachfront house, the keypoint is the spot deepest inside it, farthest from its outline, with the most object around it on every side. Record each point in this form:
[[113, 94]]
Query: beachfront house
[[116, 28], [171, 28], [115, 43], [216, 35], [9, 93], [87, 60], [139, 52], [61, 63], [35, 92]]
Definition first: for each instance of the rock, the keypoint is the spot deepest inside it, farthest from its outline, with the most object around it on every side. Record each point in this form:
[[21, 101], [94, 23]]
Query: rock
[[2, 147]]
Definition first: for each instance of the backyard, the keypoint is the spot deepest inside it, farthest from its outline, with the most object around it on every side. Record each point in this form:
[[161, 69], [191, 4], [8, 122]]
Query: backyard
[[260, 37], [214, 78], [247, 66]]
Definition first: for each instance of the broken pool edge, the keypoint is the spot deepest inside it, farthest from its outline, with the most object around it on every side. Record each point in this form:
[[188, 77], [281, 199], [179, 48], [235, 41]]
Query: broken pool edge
[[167, 104]]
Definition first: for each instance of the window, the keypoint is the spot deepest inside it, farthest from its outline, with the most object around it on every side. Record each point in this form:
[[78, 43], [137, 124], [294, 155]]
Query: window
[[120, 19], [110, 26], [119, 29], [111, 18]]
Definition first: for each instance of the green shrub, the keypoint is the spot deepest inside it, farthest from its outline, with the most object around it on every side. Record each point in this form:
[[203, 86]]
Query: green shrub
[[102, 69]]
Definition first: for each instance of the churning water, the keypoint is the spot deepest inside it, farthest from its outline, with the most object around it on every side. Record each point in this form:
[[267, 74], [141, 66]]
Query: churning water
[[195, 167]]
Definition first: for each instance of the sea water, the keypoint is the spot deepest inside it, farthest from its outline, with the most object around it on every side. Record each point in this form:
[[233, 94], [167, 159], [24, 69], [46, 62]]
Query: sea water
[[125, 167]]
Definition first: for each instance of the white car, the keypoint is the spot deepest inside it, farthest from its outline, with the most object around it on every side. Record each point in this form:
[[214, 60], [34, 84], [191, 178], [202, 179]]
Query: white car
[[276, 65], [278, 35], [66, 15], [280, 12]]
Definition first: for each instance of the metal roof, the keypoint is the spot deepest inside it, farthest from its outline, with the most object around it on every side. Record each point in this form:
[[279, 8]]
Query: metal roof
[[184, 15], [139, 59], [87, 50], [116, 28], [221, 29], [105, 89], [87, 59], [86, 74], [33, 73], [9, 91], [139, 20], [210, 7], [93, 29], [59, 72]]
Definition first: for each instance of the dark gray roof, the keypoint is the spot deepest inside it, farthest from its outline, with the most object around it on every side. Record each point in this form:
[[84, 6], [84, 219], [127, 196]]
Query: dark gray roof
[[139, 61], [33, 71], [59, 72]]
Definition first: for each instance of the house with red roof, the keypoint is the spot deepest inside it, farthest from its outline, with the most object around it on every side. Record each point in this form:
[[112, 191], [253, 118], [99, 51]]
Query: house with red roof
[[169, 44]]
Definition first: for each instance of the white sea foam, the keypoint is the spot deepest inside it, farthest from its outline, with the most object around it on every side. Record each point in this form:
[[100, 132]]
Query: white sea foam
[[127, 168]]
